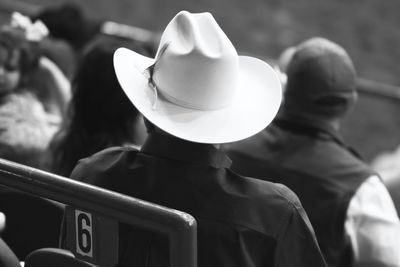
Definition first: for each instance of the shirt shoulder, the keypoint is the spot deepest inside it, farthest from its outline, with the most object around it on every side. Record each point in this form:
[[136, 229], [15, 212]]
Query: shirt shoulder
[[103, 163], [271, 205], [372, 224], [265, 191], [372, 197]]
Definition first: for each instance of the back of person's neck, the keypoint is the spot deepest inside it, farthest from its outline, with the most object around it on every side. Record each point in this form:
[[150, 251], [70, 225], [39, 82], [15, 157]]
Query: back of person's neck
[[161, 132], [309, 120]]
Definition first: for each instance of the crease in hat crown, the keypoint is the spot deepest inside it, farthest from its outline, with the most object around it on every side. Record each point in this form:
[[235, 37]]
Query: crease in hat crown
[[200, 67]]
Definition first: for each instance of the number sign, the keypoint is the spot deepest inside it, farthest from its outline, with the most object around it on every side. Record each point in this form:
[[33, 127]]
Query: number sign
[[84, 233], [91, 237]]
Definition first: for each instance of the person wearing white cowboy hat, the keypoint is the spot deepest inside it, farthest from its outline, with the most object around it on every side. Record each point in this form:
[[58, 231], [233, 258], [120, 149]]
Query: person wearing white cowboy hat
[[195, 93]]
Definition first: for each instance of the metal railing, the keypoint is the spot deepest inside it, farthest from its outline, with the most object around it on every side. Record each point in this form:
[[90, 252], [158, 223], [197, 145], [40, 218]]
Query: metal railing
[[373, 88], [180, 227]]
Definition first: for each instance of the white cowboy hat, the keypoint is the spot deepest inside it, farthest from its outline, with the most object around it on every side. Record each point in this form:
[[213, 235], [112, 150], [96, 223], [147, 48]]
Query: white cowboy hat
[[197, 88]]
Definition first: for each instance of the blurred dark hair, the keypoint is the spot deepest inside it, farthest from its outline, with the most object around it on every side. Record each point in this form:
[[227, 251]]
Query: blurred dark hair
[[100, 114], [70, 23], [98, 100], [13, 41]]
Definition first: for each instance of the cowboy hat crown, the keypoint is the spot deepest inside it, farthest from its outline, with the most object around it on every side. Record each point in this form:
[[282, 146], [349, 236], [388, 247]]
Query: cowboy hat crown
[[195, 48]]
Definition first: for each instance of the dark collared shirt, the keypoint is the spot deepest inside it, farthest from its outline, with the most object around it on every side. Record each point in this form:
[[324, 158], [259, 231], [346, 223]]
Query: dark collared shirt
[[314, 162], [242, 221]]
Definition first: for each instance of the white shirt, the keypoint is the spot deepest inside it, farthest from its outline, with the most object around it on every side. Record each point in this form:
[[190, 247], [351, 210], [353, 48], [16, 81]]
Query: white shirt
[[387, 164], [2, 222], [373, 226]]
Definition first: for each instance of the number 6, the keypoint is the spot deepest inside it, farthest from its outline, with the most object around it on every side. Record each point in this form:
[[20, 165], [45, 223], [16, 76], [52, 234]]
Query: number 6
[[84, 233]]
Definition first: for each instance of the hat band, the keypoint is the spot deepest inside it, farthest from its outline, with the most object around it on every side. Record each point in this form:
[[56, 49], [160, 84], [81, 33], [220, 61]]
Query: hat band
[[188, 105], [157, 90], [176, 101]]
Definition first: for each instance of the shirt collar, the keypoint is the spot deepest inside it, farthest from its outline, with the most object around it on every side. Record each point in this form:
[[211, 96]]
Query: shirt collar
[[178, 149], [307, 127], [319, 131]]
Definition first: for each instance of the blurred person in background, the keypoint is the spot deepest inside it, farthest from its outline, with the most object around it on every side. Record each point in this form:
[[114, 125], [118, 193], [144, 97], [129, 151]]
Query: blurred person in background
[[99, 114], [61, 53], [349, 207], [33, 92], [33, 96], [191, 95], [70, 30], [69, 25], [68, 22]]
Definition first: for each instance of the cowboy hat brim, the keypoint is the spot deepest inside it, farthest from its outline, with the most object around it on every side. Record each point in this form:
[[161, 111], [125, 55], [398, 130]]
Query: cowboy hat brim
[[254, 106]]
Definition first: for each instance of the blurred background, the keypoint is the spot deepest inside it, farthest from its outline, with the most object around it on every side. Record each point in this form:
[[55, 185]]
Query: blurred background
[[367, 29]]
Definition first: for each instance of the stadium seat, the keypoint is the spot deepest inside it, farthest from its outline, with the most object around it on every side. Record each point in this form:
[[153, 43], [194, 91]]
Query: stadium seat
[[7, 256], [30, 222], [53, 257]]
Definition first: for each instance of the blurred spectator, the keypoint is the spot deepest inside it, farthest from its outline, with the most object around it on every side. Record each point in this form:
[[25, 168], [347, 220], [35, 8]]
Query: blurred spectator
[[72, 31], [33, 93], [349, 207], [191, 100], [99, 115], [62, 54], [68, 22]]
